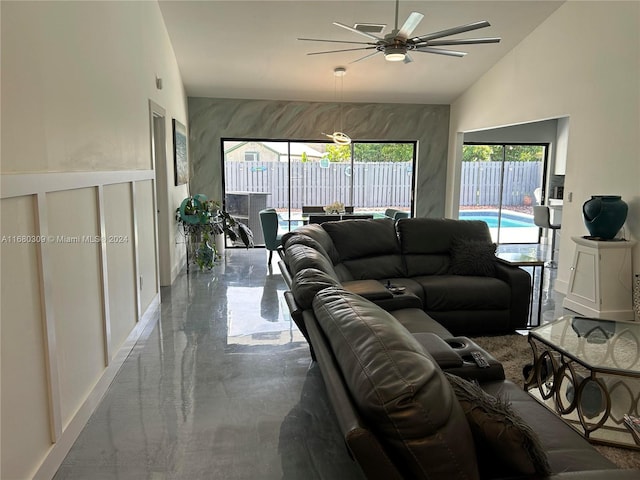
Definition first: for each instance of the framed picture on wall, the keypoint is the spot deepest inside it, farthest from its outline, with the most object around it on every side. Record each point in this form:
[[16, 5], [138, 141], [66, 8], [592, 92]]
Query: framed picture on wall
[[180, 159]]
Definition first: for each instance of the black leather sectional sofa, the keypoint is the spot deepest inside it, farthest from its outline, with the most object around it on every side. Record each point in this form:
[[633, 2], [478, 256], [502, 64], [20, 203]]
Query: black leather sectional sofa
[[445, 267], [392, 374]]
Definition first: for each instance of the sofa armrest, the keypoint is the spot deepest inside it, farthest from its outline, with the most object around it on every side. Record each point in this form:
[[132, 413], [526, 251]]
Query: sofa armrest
[[286, 275], [369, 289], [362, 444], [519, 282]]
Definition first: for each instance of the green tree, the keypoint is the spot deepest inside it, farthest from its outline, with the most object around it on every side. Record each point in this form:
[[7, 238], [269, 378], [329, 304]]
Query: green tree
[[338, 153], [383, 152], [478, 153]]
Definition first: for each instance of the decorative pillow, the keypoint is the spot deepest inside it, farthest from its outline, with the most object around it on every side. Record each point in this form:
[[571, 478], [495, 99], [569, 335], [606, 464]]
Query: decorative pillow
[[472, 257], [505, 444]]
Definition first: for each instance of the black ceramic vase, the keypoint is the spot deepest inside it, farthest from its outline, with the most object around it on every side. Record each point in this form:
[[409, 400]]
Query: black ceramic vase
[[604, 215]]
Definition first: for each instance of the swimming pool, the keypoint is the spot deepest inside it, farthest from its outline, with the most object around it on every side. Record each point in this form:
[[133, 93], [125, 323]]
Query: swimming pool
[[490, 217]]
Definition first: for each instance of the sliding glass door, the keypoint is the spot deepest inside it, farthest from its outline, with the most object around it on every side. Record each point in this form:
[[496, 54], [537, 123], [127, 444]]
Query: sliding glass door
[[500, 184], [289, 176]]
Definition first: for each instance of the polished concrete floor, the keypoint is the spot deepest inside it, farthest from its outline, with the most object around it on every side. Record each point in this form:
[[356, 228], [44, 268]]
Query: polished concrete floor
[[221, 386]]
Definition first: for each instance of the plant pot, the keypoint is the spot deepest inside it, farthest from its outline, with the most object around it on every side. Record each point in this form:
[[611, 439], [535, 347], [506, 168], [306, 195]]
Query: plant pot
[[219, 242], [604, 215]]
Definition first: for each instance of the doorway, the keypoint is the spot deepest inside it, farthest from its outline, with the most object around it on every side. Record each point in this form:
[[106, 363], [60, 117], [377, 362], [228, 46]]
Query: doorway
[[500, 183], [159, 166]]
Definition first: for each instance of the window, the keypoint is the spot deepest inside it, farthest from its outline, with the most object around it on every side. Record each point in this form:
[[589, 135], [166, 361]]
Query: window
[[500, 184], [368, 176]]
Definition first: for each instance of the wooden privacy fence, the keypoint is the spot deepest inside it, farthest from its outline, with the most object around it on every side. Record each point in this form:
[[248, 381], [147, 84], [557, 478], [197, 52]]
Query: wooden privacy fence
[[376, 184], [480, 182]]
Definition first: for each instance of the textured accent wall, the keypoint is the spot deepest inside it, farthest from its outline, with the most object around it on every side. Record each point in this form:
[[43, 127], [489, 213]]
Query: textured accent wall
[[212, 119]]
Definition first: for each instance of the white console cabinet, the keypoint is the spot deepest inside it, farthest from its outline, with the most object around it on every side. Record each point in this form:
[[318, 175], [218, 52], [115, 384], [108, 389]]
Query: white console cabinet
[[600, 285]]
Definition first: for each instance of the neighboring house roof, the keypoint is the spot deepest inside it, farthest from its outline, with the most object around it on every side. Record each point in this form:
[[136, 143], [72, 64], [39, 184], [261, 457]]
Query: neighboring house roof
[[296, 149], [281, 148]]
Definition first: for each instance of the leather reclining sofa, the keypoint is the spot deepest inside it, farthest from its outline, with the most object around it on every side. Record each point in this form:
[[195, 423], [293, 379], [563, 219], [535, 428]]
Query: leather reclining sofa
[[402, 418], [393, 376], [445, 267]]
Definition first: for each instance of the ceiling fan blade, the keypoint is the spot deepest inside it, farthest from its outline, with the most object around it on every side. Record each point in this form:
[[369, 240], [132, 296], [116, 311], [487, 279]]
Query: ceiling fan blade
[[334, 41], [466, 41], [440, 51], [366, 56], [410, 24], [336, 51], [451, 31], [355, 30]]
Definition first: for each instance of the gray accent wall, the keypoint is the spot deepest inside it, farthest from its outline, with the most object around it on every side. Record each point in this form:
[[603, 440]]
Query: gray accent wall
[[211, 119]]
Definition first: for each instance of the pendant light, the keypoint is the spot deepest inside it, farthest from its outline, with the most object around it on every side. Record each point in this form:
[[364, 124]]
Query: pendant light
[[339, 137]]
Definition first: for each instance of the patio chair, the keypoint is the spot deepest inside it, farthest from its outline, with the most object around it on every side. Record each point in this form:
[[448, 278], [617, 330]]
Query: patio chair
[[542, 219], [269, 223]]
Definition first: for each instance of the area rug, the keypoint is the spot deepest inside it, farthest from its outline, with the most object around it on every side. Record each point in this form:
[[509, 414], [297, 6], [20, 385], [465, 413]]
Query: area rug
[[514, 352]]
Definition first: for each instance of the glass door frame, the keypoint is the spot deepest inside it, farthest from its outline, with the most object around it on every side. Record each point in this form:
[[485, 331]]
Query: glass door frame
[[545, 164], [289, 142]]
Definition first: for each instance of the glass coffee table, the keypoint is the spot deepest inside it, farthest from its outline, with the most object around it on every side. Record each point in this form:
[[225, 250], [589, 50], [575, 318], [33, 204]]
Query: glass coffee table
[[588, 372]]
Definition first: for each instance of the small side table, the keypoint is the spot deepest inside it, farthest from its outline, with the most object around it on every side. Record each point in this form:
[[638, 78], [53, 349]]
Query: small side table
[[600, 285], [518, 259]]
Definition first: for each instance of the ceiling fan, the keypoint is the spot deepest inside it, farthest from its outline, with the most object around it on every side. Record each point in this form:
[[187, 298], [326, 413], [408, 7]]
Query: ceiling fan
[[399, 42]]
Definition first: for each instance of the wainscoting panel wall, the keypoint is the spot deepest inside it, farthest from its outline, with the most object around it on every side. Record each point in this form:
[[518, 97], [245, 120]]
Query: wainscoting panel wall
[[79, 285], [26, 432]]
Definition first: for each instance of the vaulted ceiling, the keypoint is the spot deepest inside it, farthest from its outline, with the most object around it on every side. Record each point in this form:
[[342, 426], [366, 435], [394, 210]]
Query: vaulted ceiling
[[249, 49]]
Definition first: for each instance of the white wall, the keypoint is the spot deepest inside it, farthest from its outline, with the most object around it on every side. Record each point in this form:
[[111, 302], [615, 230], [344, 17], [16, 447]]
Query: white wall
[[77, 78], [582, 62]]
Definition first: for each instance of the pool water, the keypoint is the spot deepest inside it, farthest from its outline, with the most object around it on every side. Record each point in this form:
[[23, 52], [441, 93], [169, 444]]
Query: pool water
[[490, 217]]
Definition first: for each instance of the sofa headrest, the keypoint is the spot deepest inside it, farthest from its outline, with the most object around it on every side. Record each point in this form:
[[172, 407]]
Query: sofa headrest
[[299, 257], [305, 240], [397, 387], [435, 235], [317, 233], [309, 281], [363, 238]]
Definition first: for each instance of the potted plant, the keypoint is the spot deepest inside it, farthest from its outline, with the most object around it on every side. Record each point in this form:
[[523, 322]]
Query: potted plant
[[201, 219]]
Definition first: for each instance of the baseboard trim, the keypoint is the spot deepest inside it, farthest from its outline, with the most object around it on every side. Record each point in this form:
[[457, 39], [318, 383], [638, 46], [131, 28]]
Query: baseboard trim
[[70, 433], [561, 286]]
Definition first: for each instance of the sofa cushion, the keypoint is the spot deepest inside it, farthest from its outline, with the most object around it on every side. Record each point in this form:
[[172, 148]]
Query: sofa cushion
[[473, 257], [397, 387], [376, 267], [431, 235], [317, 233], [305, 240], [309, 281], [505, 444], [458, 292], [363, 238], [422, 264], [299, 257]]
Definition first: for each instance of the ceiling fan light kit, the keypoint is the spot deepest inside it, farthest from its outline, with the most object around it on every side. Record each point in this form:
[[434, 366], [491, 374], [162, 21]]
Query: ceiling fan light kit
[[395, 53], [339, 138], [396, 45]]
